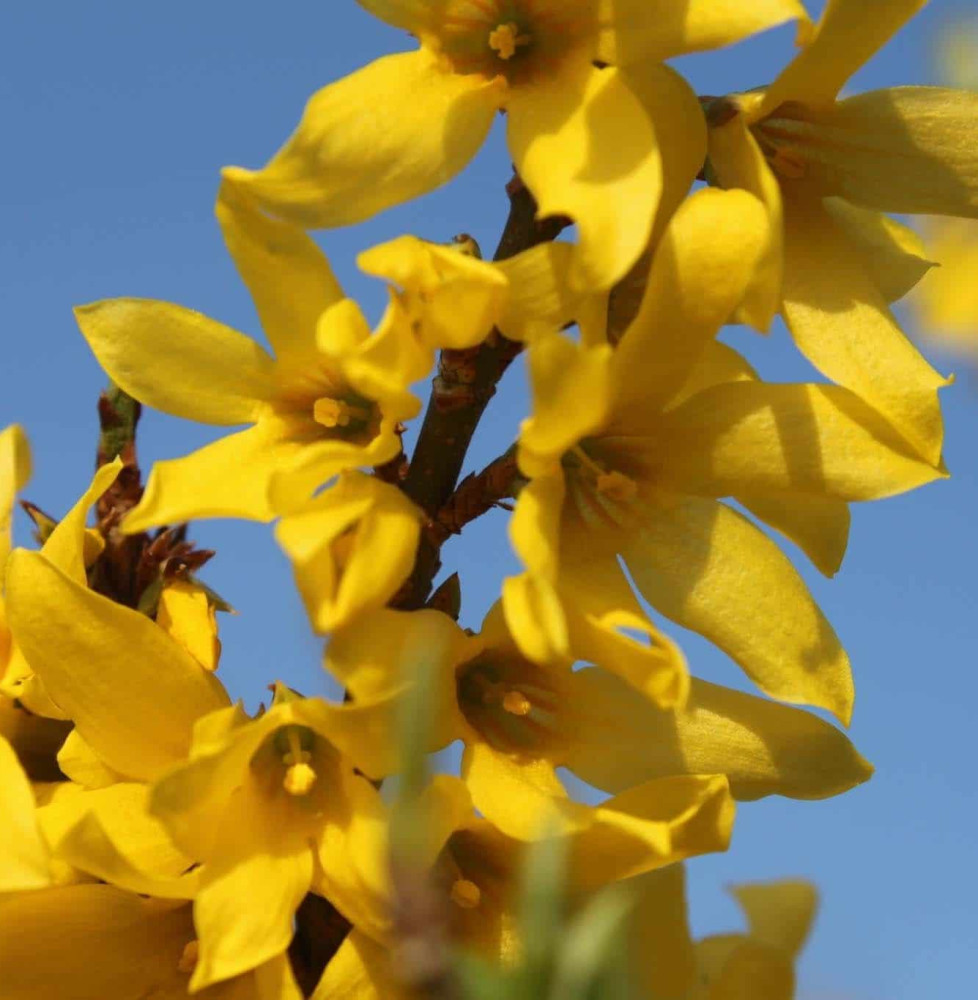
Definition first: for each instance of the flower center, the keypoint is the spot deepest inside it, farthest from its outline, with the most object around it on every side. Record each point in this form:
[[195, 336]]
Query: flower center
[[786, 141], [510, 702], [601, 494], [339, 413], [465, 894], [505, 39], [299, 774], [189, 957]]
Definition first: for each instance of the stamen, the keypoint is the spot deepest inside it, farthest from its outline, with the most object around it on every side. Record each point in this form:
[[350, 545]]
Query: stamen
[[617, 486], [188, 960], [516, 703], [336, 413], [505, 39], [465, 894], [299, 777]]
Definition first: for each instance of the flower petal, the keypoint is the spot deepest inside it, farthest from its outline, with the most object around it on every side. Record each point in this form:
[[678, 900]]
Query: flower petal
[[841, 323], [178, 360], [583, 144], [846, 36], [65, 546], [249, 892], [571, 388], [351, 548], [893, 254], [926, 130], [600, 606], [342, 166], [23, 852], [764, 748], [89, 942], [707, 568], [736, 161], [454, 298], [779, 913], [360, 970], [288, 276], [637, 29], [818, 525], [228, 478], [661, 941], [680, 130], [762, 437], [137, 713], [699, 276]]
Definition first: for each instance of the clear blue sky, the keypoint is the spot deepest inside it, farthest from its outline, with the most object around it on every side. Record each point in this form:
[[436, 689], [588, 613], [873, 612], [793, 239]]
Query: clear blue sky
[[117, 117]]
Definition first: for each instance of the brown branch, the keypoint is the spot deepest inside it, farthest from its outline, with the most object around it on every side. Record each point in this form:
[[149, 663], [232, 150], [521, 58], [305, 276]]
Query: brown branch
[[460, 392]]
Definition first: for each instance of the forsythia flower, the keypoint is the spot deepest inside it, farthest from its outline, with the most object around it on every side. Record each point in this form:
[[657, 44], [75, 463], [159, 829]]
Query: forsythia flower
[[824, 169], [622, 460], [320, 407], [571, 75], [519, 722], [758, 964]]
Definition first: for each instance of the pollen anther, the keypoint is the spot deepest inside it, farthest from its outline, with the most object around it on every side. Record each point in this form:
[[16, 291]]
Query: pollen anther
[[516, 703], [336, 413], [505, 39], [465, 894], [189, 957]]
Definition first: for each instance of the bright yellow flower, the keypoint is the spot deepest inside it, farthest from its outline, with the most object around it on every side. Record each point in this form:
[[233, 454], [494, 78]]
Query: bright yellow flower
[[166, 773], [351, 548], [97, 942], [520, 721], [758, 964], [628, 451], [319, 407], [271, 809], [824, 169], [572, 76]]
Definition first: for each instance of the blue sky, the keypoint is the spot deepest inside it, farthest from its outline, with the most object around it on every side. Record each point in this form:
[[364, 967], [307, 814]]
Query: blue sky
[[117, 118]]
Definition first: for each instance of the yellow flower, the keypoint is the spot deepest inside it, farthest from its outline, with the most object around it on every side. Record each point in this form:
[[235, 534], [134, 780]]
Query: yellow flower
[[95, 942], [165, 773], [520, 721], [825, 171], [351, 548], [758, 964], [572, 76], [271, 809], [24, 862], [318, 408], [628, 451]]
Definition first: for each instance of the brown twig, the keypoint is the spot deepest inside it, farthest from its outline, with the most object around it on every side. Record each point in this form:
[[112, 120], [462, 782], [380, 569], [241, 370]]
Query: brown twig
[[476, 494], [460, 392]]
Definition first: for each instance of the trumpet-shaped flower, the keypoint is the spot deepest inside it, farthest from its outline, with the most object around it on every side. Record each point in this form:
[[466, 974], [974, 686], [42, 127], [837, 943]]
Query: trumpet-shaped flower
[[318, 408], [624, 460], [825, 171], [176, 775], [579, 132], [521, 721]]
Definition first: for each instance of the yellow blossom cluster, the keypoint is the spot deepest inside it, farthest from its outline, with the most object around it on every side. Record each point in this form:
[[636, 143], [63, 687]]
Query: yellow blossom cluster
[[161, 841]]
